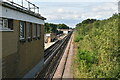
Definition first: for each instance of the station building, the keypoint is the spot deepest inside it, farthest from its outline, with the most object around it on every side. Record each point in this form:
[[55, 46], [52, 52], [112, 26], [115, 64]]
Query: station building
[[22, 38], [65, 31], [50, 37]]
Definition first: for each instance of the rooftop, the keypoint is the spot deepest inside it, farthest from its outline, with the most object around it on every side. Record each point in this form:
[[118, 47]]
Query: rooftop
[[25, 7]]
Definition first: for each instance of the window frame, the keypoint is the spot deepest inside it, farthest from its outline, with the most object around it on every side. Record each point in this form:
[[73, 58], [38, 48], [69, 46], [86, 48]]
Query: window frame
[[34, 30], [3, 24], [10, 24], [29, 30], [6, 24], [38, 30], [24, 30]]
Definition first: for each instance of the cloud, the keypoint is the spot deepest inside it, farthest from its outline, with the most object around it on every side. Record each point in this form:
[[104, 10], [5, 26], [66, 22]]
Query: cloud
[[72, 12], [73, 0], [60, 10], [36, 1], [106, 7]]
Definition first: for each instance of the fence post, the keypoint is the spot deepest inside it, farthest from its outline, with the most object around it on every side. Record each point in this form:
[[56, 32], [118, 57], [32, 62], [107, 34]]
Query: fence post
[[28, 5], [38, 10], [22, 3], [34, 8]]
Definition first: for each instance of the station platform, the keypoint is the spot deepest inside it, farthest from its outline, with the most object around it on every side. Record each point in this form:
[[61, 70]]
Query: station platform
[[47, 45]]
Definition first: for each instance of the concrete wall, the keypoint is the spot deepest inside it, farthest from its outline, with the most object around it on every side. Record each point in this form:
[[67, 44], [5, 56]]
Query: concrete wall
[[20, 57]]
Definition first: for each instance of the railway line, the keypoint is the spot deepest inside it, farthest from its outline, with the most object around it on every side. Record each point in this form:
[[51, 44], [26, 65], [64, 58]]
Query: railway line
[[52, 58], [49, 50]]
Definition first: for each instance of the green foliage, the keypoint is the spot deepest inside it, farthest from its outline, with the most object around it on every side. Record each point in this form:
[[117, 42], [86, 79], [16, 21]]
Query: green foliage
[[63, 26], [52, 28], [88, 21], [77, 39], [98, 53], [87, 56]]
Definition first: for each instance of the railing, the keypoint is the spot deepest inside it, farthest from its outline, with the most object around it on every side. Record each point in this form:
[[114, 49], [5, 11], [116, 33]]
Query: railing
[[24, 4]]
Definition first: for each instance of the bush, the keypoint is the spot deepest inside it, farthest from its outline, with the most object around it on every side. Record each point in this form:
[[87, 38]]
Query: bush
[[98, 53], [78, 38], [87, 56]]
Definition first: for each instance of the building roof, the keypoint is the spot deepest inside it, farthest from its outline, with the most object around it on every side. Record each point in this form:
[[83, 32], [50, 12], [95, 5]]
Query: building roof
[[22, 9]]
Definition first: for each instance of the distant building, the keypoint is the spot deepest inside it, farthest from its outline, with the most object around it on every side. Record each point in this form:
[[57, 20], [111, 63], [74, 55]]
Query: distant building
[[22, 40], [65, 31], [49, 37]]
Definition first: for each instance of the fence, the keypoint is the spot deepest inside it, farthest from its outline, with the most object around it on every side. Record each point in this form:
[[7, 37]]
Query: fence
[[24, 4]]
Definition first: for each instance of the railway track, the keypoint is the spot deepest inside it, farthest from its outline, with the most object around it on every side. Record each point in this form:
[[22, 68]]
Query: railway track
[[52, 58], [64, 69], [49, 50]]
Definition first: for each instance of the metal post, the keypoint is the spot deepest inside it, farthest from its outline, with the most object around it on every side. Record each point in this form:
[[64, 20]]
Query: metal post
[[28, 5], [22, 3], [12, 2], [38, 10], [34, 9]]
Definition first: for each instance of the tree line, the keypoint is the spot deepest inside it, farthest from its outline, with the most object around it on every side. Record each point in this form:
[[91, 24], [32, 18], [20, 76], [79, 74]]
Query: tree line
[[52, 28]]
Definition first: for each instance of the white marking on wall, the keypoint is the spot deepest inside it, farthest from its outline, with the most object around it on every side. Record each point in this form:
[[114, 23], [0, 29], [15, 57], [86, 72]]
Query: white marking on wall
[[14, 14]]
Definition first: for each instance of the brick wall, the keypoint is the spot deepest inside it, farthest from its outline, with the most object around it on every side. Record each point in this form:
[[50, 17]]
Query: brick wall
[[20, 57]]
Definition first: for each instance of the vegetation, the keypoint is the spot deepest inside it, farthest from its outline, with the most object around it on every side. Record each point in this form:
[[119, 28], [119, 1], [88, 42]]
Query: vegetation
[[52, 28], [63, 26], [98, 51]]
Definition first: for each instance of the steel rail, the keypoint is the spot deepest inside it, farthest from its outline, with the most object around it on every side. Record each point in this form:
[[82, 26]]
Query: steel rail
[[49, 50], [51, 63]]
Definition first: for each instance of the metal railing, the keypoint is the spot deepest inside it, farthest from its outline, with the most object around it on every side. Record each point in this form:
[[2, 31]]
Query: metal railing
[[24, 4]]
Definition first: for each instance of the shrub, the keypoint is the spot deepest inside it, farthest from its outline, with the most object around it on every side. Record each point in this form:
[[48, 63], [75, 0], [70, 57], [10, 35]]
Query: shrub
[[78, 38], [87, 56], [98, 54]]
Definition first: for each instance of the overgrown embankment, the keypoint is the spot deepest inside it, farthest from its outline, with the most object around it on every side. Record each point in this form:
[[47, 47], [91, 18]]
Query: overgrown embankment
[[98, 54]]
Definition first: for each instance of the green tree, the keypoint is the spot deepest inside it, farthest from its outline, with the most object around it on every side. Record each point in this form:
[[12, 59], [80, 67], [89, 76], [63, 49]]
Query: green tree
[[63, 26]]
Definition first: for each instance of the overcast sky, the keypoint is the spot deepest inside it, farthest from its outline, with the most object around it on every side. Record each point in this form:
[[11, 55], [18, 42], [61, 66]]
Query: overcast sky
[[72, 12]]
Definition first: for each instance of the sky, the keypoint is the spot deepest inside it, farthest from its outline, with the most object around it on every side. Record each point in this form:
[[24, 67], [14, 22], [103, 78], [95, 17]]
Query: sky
[[72, 12]]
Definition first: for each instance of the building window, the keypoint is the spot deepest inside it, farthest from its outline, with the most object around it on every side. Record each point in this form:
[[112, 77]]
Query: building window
[[29, 30], [35, 31], [22, 30], [7, 24], [10, 24], [38, 30], [0, 23]]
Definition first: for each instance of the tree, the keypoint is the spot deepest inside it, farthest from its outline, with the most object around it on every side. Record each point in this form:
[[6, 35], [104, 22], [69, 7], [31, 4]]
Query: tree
[[52, 28], [88, 21], [63, 26]]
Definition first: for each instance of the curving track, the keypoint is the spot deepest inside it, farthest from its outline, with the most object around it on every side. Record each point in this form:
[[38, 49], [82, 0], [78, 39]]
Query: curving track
[[52, 58]]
